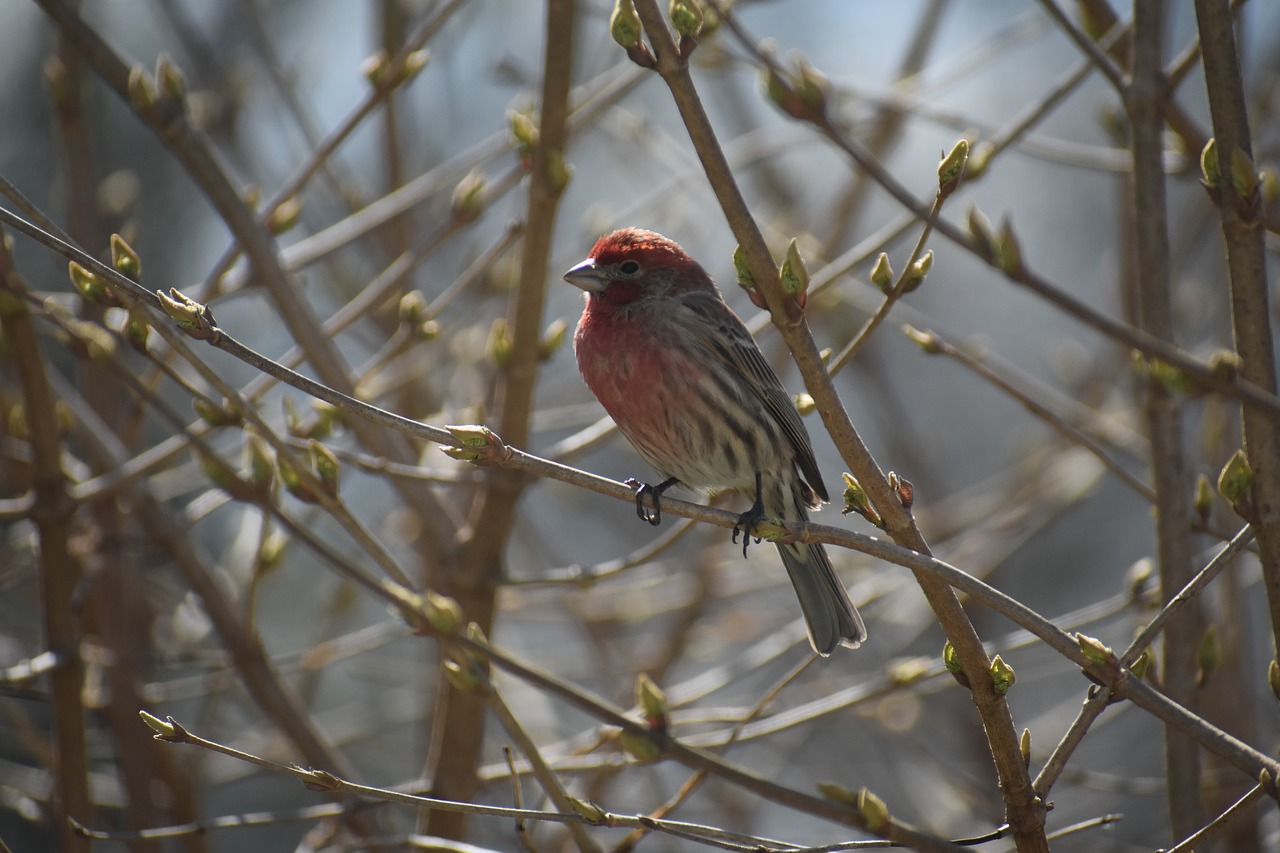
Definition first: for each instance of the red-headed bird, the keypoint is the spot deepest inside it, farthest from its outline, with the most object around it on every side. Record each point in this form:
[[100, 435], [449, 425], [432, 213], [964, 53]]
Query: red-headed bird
[[680, 374]]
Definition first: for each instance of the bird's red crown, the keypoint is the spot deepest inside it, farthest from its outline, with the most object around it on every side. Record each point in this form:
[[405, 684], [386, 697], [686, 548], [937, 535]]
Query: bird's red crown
[[647, 246]]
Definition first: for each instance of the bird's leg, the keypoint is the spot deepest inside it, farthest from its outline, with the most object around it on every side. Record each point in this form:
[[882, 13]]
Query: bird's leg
[[750, 519], [655, 492]]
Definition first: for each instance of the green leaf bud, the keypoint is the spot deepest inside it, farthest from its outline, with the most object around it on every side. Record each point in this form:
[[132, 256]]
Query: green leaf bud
[[875, 814], [326, 466], [794, 276], [1203, 501], [918, 271], [125, 259], [467, 202], [90, 286], [686, 18], [1235, 483], [951, 169], [1002, 675], [624, 24], [926, 340], [285, 215], [882, 274]]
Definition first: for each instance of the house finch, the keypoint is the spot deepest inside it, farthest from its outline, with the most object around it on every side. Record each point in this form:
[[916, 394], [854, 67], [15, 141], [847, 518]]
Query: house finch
[[680, 374]]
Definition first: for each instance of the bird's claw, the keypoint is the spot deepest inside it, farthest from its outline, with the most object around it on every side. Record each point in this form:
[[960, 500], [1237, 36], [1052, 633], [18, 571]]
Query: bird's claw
[[746, 522], [654, 515], [750, 519]]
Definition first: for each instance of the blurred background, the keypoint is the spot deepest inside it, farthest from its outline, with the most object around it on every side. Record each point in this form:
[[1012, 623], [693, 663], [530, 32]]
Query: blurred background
[[428, 194]]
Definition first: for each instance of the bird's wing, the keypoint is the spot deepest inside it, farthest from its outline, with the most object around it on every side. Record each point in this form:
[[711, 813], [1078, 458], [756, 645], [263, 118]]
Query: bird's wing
[[728, 340]]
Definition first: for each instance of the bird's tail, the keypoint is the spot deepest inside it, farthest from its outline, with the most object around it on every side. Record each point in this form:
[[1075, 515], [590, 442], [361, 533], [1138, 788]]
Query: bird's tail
[[829, 615]]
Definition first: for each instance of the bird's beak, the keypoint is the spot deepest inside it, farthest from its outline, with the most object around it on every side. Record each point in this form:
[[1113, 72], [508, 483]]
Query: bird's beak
[[587, 276]]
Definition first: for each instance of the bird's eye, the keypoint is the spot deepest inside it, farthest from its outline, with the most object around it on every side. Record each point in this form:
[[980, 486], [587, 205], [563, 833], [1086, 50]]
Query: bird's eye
[[629, 267]]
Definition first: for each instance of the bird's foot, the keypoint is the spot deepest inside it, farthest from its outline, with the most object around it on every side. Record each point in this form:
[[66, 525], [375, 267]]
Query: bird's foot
[[654, 493], [749, 520]]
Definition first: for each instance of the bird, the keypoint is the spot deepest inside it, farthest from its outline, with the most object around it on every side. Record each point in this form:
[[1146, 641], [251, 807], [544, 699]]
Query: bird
[[679, 373]]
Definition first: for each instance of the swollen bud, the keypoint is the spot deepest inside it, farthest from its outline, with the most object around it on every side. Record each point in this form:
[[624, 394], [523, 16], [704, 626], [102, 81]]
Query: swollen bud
[[500, 342], [413, 308], [926, 340], [590, 811], [1208, 656], [856, 500], [1002, 675], [90, 286], [1142, 666], [983, 234], [746, 280], [804, 404], [1273, 677], [136, 329], [214, 416], [443, 613], [326, 417], [170, 80], [1024, 748], [428, 330], [557, 170], [292, 420], [467, 202], [624, 24], [374, 68], [218, 473], [1245, 182], [1235, 483], [474, 443], [951, 169], [141, 89], [653, 703], [882, 274], [1225, 365], [1008, 255], [260, 461], [1095, 651], [812, 86], [1139, 581], [837, 793], [284, 215], [326, 467], [463, 679], [779, 90], [1210, 169], [193, 318], [552, 339], [1203, 501], [414, 62], [794, 277], [920, 269], [642, 748], [125, 259], [686, 18], [979, 160], [163, 729], [951, 660], [292, 482], [523, 131], [875, 814]]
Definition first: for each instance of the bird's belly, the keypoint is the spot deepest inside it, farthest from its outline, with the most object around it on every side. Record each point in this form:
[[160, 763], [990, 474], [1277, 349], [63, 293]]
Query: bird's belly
[[683, 423]]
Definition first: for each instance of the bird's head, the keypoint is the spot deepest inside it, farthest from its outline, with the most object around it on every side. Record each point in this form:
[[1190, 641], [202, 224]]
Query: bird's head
[[634, 264]]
